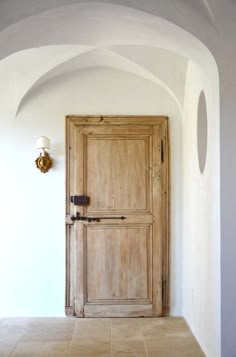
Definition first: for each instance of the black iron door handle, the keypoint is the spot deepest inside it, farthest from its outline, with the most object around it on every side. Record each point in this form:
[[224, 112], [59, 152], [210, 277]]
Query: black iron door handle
[[78, 217]]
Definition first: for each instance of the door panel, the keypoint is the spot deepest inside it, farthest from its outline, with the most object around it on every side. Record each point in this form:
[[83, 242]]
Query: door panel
[[117, 173], [122, 273], [116, 264]]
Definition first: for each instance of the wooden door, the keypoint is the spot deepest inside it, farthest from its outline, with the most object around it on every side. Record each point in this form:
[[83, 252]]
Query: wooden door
[[117, 244]]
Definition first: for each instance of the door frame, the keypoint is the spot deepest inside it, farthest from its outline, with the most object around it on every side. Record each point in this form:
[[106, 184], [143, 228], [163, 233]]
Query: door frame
[[76, 120]]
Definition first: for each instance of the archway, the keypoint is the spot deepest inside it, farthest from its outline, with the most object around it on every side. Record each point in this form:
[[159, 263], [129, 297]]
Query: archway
[[90, 33]]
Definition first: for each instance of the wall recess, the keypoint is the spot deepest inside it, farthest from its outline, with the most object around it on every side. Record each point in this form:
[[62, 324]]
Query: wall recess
[[202, 129]]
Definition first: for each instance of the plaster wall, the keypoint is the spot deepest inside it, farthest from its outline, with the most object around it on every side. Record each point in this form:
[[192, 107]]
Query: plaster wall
[[107, 30], [32, 231], [201, 223]]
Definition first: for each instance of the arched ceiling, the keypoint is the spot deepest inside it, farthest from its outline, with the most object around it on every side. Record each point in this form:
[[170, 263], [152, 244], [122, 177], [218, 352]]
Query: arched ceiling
[[167, 69], [13, 11], [93, 24], [83, 35]]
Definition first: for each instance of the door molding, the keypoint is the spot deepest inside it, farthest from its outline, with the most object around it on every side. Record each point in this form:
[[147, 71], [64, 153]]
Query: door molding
[[73, 121]]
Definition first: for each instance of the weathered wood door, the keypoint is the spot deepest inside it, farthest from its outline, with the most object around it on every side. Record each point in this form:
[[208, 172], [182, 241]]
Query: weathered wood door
[[117, 244]]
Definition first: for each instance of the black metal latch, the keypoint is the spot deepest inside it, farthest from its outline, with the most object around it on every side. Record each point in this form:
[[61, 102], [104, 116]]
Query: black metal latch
[[80, 200], [78, 217]]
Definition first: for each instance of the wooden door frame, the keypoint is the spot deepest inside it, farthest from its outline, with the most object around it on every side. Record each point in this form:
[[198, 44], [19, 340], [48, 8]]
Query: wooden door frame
[[75, 120]]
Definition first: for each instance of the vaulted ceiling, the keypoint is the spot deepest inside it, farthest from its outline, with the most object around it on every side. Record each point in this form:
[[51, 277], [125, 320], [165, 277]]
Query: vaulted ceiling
[[42, 40], [13, 11]]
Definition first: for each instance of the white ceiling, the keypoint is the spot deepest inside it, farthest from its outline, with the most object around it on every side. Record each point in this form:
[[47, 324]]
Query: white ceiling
[[12, 11], [41, 40]]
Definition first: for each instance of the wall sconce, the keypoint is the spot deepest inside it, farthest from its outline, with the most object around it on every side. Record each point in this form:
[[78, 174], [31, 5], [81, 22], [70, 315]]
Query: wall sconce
[[44, 161]]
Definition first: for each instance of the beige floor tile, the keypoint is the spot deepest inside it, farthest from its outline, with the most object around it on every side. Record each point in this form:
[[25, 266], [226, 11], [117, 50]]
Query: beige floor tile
[[93, 321], [46, 336], [7, 344], [128, 348], [129, 354], [122, 320], [162, 337], [90, 348], [95, 329], [170, 326], [6, 350], [8, 337], [171, 346], [48, 329], [12, 329], [53, 321], [162, 320], [17, 321], [101, 334], [126, 329], [25, 349]]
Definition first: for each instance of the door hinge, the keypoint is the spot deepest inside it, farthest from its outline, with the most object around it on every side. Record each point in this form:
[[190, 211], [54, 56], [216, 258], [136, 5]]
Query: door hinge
[[162, 151]]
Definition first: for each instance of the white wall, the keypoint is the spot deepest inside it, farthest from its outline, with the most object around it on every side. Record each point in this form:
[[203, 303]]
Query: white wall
[[57, 27], [32, 233], [201, 221]]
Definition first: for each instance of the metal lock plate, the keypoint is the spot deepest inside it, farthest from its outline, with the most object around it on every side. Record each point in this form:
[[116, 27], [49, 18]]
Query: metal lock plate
[[80, 200]]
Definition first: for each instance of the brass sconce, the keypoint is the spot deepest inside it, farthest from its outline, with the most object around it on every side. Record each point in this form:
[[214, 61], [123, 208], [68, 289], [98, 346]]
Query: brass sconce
[[44, 161]]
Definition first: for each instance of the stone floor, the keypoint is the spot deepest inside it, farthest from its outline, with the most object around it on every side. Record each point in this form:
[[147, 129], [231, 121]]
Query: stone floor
[[138, 337]]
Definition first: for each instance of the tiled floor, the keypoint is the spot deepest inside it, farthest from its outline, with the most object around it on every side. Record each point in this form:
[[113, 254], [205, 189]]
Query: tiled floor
[[138, 337]]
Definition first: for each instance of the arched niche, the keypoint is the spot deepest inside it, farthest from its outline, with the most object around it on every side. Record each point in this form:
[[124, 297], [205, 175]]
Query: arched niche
[[202, 126]]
